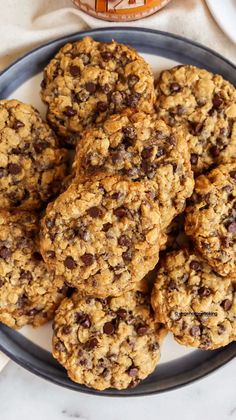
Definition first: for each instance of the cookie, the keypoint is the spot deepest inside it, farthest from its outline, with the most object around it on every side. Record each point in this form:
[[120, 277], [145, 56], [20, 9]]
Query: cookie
[[107, 343], [32, 165], [29, 293], [211, 218], [196, 304], [103, 236], [88, 80], [205, 104], [140, 147]]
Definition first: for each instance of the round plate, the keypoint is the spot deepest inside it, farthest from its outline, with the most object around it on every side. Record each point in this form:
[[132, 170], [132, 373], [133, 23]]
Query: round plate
[[224, 12], [30, 347]]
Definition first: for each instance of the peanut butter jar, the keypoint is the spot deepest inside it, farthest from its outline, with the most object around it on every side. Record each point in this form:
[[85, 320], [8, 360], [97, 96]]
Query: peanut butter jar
[[120, 10]]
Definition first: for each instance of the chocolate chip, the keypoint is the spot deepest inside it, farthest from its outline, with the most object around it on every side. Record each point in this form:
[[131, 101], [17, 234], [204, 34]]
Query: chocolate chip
[[141, 329], [147, 152], [124, 240], [175, 87], [74, 71], [204, 291], [59, 346], [50, 223], [133, 371], [172, 285], [5, 252], [197, 127], [106, 88], [134, 383], [195, 265], [37, 256], [43, 84], [91, 344], [66, 329], [120, 212], [160, 151], [94, 212], [193, 158], [102, 106], [69, 111], [107, 55], [226, 304], [233, 175], [88, 259], [83, 233], [70, 263], [180, 110], [153, 347], [221, 329], [117, 195], [22, 301], [18, 124], [40, 146], [132, 79], [127, 255], [108, 328], [50, 254], [83, 320], [195, 331], [91, 87], [217, 100], [121, 313], [13, 168], [215, 151], [106, 227], [133, 100], [26, 275], [232, 227], [33, 312]]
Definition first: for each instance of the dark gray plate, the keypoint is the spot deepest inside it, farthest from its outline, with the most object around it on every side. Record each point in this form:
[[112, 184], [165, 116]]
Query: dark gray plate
[[168, 375]]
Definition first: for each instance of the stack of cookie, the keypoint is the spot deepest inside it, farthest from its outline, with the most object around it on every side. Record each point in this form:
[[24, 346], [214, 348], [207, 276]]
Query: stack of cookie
[[121, 202]]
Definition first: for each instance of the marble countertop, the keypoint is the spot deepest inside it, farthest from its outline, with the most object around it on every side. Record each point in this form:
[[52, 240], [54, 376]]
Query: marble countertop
[[25, 396]]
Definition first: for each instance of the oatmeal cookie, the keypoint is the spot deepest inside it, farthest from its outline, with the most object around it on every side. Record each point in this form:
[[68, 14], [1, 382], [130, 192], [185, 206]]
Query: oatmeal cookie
[[32, 165], [107, 343], [211, 218], [205, 104], [88, 80], [140, 147], [196, 304], [103, 236], [29, 294]]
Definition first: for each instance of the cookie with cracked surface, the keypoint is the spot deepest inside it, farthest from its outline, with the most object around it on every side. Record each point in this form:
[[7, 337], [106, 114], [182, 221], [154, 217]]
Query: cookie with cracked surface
[[103, 236], [205, 104], [88, 80], [211, 218], [140, 147], [29, 293], [107, 343], [32, 165], [197, 305]]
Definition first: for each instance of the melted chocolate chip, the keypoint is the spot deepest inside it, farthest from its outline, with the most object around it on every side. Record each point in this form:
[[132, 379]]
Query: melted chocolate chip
[[141, 329], [14, 168], [94, 212], [74, 71], [120, 212], [88, 259], [124, 240], [217, 100], [91, 344], [133, 371], [70, 263], [91, 87], [175, 87], [106, 227], [221, 329], [204, 291]]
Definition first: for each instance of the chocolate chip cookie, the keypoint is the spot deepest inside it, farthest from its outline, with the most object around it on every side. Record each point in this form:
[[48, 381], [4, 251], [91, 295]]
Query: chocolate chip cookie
[[196, 304], [32, 165], [103, 236], [29, 294], [107, 343], [205, 104], [88, 80], [140, 147], [211, 218]]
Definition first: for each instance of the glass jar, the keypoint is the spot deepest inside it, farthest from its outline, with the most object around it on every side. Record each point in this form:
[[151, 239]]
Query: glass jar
[[120, 10]]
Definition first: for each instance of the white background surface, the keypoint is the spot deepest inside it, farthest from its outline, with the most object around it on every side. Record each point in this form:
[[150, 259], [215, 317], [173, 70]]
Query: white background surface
[[26, 24]]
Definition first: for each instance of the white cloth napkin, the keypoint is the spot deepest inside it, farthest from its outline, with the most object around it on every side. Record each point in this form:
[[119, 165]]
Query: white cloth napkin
[[25, 24]]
